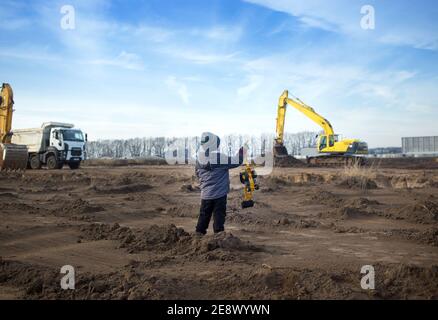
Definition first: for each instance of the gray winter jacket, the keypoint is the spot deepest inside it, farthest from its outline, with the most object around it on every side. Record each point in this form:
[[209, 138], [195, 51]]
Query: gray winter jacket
[[213, 175]]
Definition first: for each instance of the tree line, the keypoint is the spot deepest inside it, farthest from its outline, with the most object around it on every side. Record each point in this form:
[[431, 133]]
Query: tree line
[[157, 146]]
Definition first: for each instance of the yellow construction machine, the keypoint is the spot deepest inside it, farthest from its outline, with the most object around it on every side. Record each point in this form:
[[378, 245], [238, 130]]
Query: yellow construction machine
[[248, 177], [330, 150], [12, 156]]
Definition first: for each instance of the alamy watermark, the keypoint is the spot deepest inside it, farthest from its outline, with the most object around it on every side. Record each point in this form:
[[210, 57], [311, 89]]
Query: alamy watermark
[[68, 19], [210, 153], [68, 280], [368, 280], [368, 21]]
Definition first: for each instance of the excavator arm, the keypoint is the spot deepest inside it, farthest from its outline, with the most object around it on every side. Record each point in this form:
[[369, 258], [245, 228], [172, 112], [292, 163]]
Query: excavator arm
[[12, 156], [7, 102], [302, 107]]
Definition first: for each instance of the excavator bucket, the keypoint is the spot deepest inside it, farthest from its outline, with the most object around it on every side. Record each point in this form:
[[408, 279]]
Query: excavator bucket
[[13, 156], [280, 151]]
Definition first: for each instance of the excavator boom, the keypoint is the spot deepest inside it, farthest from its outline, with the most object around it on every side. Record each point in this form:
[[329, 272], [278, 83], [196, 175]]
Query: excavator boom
[[12, 156]]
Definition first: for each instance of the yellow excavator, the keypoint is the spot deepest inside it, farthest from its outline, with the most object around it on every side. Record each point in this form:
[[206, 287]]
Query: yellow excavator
[[12, 156], [330, 151]]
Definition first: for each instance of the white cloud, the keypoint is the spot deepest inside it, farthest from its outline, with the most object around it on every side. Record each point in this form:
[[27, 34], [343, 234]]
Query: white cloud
[[198, 57], [220, 33], [253, 83], [405, 24], [180, 88], [123, 60]]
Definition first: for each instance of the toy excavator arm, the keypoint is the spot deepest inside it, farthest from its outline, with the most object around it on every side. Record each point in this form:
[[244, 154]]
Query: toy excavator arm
[[303, 108]]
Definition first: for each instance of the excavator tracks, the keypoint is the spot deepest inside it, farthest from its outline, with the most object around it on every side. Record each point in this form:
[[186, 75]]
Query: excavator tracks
[[336, 161]]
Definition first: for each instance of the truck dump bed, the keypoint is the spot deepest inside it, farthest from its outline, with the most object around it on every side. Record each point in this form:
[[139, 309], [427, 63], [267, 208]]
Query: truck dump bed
[[33, 138]]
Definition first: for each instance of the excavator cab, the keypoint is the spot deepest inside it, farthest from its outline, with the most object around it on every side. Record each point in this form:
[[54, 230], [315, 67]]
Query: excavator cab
[[327, 141]]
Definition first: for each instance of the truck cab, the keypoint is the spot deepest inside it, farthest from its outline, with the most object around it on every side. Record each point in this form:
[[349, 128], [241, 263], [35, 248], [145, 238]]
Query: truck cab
[[69, 144]]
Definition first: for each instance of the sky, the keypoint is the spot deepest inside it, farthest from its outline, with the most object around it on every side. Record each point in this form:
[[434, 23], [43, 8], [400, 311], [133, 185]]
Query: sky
[[124, 69]]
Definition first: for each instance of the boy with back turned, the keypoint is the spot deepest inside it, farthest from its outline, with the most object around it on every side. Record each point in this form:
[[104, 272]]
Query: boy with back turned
[[212, 169]]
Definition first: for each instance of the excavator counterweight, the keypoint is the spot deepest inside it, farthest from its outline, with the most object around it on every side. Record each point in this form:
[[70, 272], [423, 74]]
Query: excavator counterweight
[[12, 156]]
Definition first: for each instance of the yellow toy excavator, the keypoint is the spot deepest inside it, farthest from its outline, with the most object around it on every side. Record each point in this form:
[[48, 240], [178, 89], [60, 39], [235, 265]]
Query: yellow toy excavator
[[12, 156], [330, 150], [248, 177]]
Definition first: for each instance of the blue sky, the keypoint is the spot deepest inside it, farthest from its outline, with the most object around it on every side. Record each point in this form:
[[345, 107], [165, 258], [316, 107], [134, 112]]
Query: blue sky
[[173, 68]]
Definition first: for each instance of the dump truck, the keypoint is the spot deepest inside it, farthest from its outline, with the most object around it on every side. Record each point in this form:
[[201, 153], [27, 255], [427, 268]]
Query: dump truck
[[52, 145]]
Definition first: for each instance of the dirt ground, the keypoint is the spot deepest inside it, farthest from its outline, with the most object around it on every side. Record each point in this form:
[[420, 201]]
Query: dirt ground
[[128, 232]]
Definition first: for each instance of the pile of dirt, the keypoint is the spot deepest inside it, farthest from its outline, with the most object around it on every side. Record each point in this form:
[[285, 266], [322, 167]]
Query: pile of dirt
[[307, 178], [275, 182], [421, 211], [135, 281], [34, 280], [187, 187], [408, 282], [288, 161], [404, 163], [395, 282], [245, 217], [408, 181], [346, 212], [429, 236], [361, 183], [101, 231], [324, 197], [160, 238], [362, 203], [182, 210], [222, 240], [77, 207], [58, 178], [166, 238], [121, 189]]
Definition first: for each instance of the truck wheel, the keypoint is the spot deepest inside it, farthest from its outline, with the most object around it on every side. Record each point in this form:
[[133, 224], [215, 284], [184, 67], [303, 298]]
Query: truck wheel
[[35, 162], [74, 165], [52, 163]]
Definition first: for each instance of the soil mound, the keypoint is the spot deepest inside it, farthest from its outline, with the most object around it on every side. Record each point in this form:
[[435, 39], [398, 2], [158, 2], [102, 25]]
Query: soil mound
[[189, 188], [358, 183], [362, 203], [160, 238], [245, 217], [346, 212], [167, 238], [421, 211], [130, 188], [183, 210], [78, 206], [288, 161], [222, 240], [326, 198], [429, 236]]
